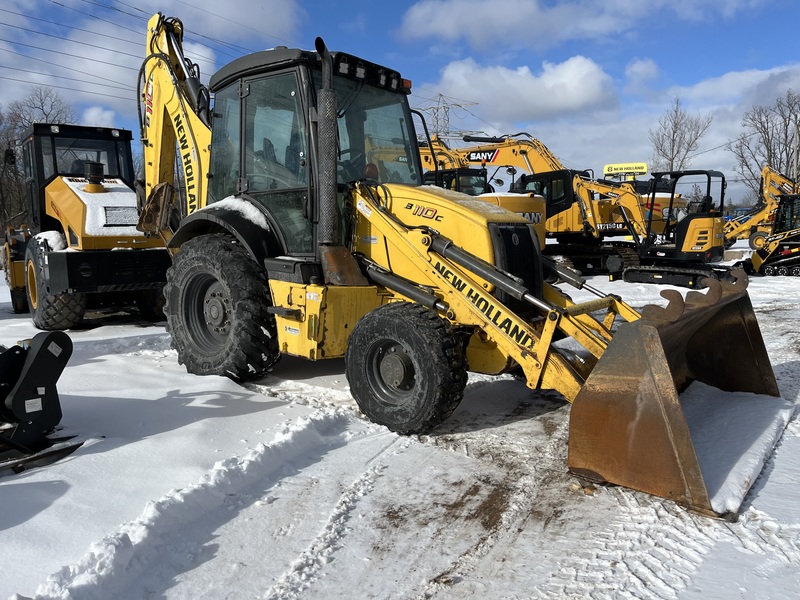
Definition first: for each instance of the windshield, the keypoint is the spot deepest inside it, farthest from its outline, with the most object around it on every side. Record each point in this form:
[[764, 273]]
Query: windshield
[[376, 135], [72, 154]]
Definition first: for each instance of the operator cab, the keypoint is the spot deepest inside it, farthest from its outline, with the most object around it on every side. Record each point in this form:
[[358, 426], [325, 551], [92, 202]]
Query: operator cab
[[265, 122], [50, 151]]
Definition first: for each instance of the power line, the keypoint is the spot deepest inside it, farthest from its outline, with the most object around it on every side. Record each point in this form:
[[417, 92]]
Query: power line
[[113, 37], [72, 55], [49, 62], [63, 39], [64, 87], [119, 87], [234, 22], [96, 17]]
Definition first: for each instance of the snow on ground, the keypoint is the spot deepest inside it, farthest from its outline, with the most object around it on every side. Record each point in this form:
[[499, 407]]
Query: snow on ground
[[192, 487]]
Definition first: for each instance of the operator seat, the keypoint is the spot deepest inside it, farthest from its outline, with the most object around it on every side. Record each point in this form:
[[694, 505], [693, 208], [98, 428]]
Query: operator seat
[[78, 167], [268, 151]]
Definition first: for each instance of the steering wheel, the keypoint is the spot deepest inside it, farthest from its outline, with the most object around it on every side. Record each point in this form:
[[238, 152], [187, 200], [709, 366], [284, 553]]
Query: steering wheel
[[352, 168]]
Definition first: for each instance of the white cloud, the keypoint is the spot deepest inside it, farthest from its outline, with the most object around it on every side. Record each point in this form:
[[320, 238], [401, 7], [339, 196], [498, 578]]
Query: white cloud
[[641, 70], [540, 24], [600, 131], [504, 94], [99, 116]]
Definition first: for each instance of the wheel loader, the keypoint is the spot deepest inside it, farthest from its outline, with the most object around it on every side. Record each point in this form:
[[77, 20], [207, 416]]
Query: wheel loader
[[293, 243], [80, 246], [780, 252]]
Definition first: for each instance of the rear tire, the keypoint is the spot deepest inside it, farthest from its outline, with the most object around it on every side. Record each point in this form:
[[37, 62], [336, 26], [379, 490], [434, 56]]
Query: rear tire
[[19, 300], [150, 303], [757, 240], [216, 307], [407, 369], [50, 312]]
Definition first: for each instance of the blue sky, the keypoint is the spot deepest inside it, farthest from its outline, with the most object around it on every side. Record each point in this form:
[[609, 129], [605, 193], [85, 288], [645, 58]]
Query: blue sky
[[587, 78]]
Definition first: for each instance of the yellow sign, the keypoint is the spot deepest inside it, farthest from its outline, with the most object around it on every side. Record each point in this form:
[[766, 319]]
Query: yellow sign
[[625, 169]]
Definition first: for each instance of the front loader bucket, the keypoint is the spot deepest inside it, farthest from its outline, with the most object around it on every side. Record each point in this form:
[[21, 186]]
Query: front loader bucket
[[628, 425]]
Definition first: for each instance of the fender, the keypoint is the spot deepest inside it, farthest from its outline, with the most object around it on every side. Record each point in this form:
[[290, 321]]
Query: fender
[[260, 240]]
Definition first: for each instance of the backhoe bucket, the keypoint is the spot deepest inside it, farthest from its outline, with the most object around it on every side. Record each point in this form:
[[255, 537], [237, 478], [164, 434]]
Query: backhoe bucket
[[704, 450]]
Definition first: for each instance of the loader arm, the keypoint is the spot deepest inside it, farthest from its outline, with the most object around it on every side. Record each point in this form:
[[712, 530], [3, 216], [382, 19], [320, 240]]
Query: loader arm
[[175, 125], [460, 281], [773, 185]]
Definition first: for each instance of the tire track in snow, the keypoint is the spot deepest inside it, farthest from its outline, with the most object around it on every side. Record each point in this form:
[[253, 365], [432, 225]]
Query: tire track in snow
[[116, 562], [652, 548], [526, 471], [305, 569], [649, 550]]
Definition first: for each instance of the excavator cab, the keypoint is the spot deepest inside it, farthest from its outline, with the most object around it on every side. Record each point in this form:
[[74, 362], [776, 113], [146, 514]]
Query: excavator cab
[[683, 239], [466, 180]]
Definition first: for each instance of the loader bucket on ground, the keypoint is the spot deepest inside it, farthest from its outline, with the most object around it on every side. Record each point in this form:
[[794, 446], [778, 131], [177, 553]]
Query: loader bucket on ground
[[704, 449]]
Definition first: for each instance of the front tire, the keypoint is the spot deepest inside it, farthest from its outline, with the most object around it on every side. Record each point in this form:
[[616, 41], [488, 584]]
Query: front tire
[[757, 240], [406, 368], [216, 307], [50, 312]]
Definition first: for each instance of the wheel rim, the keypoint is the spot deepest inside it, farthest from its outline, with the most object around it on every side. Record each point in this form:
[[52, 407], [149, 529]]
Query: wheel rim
[[208, 313], [33, 293], [391, 372], [783, 271], [758, 242], [796, 271]]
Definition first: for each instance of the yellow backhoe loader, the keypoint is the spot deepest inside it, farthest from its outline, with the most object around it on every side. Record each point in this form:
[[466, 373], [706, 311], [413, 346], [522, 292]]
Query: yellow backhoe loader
[[81, 215], [309, 250], [756, 224]]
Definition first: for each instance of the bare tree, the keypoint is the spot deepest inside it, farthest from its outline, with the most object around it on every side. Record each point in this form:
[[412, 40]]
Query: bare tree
[[677, 137], [768, 139], [41, 105]]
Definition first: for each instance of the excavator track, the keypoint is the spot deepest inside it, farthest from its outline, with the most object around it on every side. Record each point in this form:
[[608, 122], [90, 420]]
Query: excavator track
[[594, 259], [683, 277], [788, 267]]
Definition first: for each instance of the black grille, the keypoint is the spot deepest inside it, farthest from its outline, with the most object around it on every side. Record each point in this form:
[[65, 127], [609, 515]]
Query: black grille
[[517, 253]]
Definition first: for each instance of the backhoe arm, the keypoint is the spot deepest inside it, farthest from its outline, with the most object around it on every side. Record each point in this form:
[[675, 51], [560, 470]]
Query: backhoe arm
[[175, 124], [618, 203]]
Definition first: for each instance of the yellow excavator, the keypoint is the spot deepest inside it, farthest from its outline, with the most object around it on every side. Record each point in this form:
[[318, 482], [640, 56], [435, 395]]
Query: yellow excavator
[[590, 219], [293, 243], [755, 225]]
